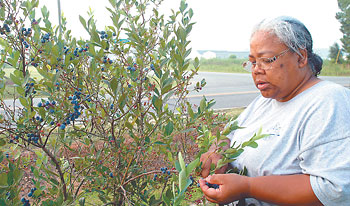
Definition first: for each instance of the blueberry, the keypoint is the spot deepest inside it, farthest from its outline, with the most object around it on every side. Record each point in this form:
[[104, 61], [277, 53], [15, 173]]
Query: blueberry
[[23, 199], [111, 174], [63, 126], [215, 186], [30, 194]]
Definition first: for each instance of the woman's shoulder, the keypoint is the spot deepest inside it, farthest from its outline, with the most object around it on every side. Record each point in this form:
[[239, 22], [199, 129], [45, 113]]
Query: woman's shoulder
[[328, 91]]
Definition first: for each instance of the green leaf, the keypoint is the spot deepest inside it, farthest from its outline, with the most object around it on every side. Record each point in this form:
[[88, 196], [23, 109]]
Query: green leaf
[[187, 184], [182, 162], [114, 85], [157, 103], [190, 167], [15, 80], [235, 154], [182, 180], [2, 142], [202, 104], [177, 166], [169, 128], [83, 22], [3, 179], [253, 144], [223, 144], [232, 125]]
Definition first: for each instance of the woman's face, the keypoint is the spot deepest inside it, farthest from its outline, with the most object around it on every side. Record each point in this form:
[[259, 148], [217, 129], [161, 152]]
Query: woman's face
[[283, 78]]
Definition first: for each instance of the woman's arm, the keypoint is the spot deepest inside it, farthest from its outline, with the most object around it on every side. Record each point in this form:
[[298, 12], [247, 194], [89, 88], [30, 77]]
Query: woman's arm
[[281, 190]]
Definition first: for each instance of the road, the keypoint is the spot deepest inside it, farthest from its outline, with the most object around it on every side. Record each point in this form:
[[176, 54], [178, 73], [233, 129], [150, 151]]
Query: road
[[229, 90], [236, 90]]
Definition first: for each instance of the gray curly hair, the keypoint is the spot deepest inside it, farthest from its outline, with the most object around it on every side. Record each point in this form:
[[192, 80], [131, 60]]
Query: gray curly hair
[[295, 36]]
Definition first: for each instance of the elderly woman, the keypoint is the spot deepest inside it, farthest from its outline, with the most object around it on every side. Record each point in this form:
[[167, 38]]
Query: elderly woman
[[305, 160]]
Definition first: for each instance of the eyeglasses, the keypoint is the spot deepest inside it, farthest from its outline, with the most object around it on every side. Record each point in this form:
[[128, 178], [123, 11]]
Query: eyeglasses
[[263, 62]]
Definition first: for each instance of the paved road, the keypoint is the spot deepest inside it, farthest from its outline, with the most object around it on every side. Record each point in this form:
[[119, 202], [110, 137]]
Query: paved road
[[229, 90], [236, 90]]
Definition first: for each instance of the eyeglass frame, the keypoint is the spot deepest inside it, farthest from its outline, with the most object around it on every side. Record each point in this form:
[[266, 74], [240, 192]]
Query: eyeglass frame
[[248, 65]]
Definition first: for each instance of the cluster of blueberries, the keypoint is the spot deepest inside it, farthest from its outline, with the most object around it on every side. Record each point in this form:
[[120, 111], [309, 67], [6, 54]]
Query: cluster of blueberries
[[5, 28], [76, 114], [25, 202], [30, 194], [77, 50], [164, 171], [45, 38], [48, 106], [130, 68], [33, 137], [103, 35], [215, 186], [25, 44], [26, 32], [29, 87], [107, 60], [12, 140], [34, 63]]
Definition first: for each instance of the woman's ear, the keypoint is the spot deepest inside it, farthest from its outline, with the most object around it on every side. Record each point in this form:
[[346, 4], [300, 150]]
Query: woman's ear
[[303, 59]]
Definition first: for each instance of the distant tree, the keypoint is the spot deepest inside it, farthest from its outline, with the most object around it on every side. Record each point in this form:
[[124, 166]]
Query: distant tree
[[232, 56], [343, 16], [336, 53]]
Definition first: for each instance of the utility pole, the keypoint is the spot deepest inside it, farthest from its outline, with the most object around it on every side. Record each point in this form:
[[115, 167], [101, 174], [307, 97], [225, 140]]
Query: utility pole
[[59, 15]]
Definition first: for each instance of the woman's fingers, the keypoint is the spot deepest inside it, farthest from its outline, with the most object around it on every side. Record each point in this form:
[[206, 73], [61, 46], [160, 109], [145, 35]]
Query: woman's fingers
[[206, 167]]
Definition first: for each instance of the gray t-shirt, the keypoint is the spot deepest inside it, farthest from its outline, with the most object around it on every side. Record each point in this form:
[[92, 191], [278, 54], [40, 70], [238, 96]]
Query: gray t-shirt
[[309, 134]]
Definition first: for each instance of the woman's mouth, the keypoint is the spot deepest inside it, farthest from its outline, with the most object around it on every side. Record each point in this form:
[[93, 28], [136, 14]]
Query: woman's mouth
[[262, 85]]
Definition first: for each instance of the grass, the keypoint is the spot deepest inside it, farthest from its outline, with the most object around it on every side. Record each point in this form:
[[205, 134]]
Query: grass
[[235, 66], [222, 65]]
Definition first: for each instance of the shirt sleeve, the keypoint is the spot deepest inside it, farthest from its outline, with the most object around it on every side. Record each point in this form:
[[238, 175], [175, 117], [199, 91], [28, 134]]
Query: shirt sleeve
[[325, 151], [329, 168]]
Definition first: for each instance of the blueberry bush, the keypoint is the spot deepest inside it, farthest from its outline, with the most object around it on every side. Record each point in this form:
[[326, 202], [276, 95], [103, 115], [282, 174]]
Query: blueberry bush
[[101, 108]]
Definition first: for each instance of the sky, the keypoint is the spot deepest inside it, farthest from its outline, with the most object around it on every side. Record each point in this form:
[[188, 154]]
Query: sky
[[220, 24]]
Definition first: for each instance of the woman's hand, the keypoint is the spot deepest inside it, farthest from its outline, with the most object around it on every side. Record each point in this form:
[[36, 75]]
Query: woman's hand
[[227, 188], [209, 158], [212, 157]]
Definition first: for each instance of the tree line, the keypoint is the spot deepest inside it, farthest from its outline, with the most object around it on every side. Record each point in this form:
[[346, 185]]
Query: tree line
[[341, 53]]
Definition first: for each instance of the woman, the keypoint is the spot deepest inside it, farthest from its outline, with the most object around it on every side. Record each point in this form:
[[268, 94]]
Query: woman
[[305, 160]]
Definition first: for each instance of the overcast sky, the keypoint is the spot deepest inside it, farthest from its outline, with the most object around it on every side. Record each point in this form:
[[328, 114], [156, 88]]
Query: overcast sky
[[222, 24]]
